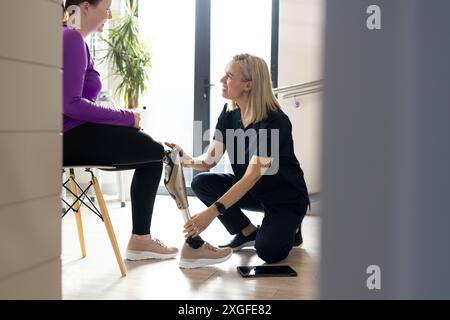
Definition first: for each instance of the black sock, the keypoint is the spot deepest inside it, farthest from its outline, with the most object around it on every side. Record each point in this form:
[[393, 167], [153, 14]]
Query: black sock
[[195, 242]]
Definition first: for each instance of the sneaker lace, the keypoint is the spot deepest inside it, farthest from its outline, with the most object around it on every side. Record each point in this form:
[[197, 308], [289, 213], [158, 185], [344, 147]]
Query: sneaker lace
[[210, 247], [159, 243]]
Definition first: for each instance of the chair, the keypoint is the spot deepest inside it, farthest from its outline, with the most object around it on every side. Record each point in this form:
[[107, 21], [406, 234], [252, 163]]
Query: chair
[[80, 197]]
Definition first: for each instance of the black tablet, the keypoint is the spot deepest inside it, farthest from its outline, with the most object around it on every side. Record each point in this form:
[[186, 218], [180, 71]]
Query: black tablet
[[266, 271]]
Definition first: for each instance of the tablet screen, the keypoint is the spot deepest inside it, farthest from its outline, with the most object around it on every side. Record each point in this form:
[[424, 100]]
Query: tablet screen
[[267, 271]]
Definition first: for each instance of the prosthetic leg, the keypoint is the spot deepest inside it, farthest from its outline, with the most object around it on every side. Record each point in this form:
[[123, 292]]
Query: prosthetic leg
[[174, 182], [196, 252]]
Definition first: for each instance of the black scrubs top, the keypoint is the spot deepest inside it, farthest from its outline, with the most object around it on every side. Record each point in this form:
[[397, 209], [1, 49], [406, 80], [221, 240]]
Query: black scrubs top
[[285, 182]]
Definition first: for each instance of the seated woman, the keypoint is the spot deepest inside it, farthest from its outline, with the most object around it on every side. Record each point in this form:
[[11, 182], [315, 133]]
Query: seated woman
[[95, 134], [267, 177]]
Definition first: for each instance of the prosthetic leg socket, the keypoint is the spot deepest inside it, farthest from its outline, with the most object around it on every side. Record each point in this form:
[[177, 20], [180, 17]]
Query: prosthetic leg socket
[[175, 183]]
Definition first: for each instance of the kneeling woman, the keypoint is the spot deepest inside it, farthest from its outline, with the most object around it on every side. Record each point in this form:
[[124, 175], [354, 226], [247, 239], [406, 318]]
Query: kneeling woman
[[267, 177]]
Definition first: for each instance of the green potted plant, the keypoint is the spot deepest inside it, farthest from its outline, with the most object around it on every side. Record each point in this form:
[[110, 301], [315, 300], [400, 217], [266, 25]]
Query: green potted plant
[[129, 56]]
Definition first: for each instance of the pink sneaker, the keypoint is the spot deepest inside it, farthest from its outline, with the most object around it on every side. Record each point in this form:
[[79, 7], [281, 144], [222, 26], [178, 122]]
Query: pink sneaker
[[153, 248], [204, 256]]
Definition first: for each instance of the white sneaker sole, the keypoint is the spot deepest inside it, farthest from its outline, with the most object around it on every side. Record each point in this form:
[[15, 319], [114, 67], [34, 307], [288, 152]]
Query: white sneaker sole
[[197, 263], [143, 255], [247, 244]]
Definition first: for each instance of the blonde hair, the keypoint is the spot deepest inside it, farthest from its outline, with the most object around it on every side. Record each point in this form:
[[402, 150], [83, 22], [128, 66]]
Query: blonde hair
[[262, 101], [65, 16]]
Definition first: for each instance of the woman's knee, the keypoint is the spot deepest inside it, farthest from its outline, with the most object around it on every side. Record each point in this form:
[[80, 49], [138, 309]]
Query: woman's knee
[[154, 151], [158, 149], [197, 182], [271, 252], [207, 186]]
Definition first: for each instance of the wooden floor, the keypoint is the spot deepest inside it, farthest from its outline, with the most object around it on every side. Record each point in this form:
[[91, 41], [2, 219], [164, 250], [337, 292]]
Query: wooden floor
[[97, 276]]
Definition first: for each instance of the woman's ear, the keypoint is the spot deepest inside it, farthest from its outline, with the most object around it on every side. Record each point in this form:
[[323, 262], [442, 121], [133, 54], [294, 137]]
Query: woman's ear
[[84, 7], [248, 86]]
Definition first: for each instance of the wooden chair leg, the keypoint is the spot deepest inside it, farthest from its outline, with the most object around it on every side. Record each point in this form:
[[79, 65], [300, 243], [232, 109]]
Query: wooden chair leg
[[108, 225], [76, 207]]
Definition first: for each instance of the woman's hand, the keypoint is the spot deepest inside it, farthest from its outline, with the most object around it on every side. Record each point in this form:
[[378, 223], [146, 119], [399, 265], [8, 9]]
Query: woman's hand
[[186, 160], [199, 222], [137, 119], [175, 146]]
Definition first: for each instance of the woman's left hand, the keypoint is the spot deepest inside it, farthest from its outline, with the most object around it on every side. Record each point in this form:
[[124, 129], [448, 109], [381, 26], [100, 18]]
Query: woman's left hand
[[199, 223]]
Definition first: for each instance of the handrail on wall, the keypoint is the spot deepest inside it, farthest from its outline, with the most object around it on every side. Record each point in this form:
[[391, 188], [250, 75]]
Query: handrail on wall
[[300, 89]]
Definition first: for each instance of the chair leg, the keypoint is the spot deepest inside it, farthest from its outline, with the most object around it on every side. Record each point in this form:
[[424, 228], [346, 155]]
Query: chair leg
[[76, 207], [108, 225], [91, 192], [121, 188]]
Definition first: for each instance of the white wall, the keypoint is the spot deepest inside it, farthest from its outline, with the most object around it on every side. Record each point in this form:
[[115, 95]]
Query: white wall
[[299, 61], [30, 156]]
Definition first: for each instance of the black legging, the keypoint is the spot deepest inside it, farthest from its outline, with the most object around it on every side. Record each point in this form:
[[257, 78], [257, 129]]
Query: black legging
[[126, 148]]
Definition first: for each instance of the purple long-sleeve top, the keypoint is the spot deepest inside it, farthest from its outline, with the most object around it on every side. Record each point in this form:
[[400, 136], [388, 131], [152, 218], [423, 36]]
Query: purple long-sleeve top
[[82, 86]]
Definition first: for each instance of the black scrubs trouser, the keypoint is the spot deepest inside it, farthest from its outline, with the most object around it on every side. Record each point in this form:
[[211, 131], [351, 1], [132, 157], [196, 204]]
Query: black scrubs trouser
[[126, 148], [275, 237]]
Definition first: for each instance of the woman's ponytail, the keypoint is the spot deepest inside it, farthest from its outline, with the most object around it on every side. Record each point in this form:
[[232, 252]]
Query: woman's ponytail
[[65, 15]]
